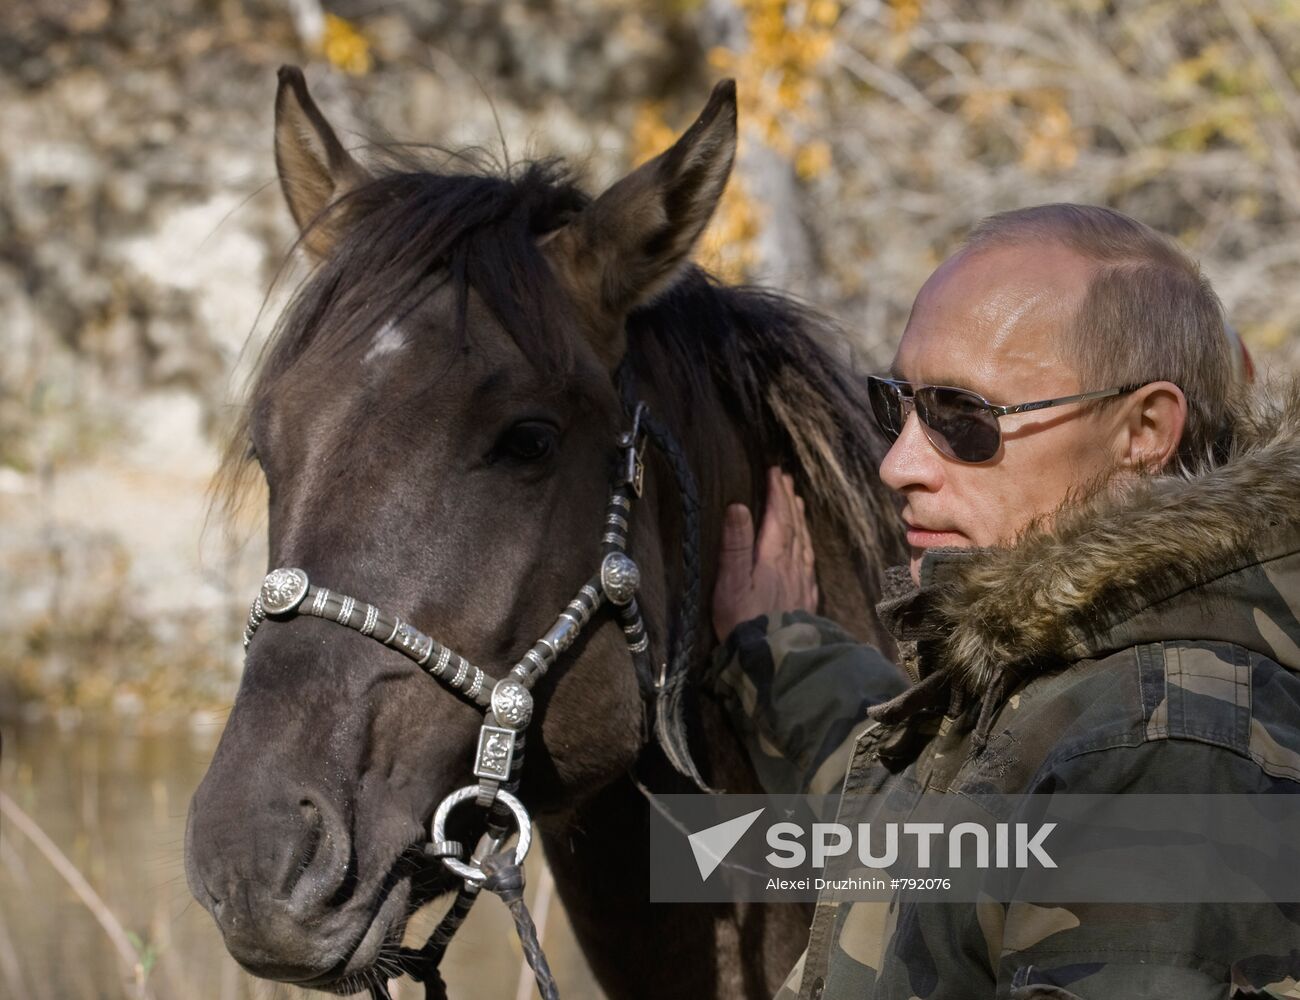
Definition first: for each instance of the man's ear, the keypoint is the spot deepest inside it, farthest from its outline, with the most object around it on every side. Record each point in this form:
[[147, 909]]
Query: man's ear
[[315, 169], [1155, 416], [628, 244]]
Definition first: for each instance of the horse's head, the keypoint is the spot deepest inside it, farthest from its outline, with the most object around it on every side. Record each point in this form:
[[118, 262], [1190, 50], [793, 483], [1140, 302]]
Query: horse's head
[[436, 420]]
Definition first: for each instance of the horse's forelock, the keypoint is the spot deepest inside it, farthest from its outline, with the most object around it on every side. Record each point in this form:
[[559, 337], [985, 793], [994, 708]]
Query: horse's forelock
[[410, 231]]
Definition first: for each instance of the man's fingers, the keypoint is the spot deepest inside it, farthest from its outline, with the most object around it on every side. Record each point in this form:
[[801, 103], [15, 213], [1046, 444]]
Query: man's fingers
[[789, 522], [799, 518], [805, 534], [738, 536], [777, 532], [733, 590], [803, 556]]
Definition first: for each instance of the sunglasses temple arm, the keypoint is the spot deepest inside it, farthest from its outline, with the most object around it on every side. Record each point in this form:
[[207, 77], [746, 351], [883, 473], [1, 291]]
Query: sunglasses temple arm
[[1043, 404]]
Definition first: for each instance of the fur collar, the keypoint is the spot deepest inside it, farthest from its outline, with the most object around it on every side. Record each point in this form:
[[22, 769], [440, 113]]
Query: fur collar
[[1054, 595]]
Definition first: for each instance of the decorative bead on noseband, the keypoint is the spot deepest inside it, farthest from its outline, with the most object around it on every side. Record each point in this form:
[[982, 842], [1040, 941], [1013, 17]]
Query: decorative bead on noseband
[[507, 702]]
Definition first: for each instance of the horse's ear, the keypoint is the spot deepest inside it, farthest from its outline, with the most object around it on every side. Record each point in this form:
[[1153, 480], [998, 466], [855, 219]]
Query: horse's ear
[[315, 169], [627, 245]]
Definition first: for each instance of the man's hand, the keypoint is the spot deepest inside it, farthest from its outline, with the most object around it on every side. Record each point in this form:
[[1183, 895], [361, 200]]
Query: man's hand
[[774, 576]]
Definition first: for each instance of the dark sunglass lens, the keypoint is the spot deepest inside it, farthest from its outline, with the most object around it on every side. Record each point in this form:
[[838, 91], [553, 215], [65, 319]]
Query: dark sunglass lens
[[886, 406], [960, 425]]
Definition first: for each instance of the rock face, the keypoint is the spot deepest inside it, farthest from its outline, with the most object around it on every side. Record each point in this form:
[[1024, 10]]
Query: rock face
[[141, 238], [145, 251]]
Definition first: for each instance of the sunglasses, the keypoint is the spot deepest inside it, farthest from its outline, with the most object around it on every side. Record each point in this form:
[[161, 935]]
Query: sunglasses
[[961, 424]]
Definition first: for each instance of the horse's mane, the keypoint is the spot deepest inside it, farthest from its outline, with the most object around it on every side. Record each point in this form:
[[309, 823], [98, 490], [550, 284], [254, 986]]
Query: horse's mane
[[767, 358], [759, 354]]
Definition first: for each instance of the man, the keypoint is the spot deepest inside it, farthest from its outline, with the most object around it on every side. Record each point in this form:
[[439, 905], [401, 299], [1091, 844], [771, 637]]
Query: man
[[1103, 596]]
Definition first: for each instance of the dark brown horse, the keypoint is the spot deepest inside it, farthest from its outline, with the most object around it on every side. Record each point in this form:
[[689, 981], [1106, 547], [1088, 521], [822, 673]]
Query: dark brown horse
[[436, 421]]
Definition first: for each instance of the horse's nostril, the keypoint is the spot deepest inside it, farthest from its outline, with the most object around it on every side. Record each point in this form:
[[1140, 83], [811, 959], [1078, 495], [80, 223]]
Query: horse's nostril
[[272, 867], [318, 865], [301, 859]]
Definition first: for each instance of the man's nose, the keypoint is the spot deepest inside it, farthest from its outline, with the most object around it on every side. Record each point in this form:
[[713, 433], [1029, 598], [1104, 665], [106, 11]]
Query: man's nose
[[912, 461]]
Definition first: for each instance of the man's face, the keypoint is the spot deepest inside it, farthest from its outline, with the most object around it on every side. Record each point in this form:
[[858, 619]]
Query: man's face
[[994, 322]]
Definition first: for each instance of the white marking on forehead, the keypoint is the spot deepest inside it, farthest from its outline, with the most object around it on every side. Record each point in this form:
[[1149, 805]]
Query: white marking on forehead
[[388, 340]]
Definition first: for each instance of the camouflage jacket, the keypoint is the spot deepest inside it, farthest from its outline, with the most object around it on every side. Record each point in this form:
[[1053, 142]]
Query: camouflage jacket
[[1149, 643]]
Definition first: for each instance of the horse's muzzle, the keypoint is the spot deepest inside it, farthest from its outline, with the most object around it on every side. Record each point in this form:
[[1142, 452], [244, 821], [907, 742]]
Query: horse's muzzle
[[277, 889]]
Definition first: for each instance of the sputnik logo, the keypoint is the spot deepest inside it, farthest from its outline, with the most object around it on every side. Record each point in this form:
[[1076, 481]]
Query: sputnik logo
[[712, 844]]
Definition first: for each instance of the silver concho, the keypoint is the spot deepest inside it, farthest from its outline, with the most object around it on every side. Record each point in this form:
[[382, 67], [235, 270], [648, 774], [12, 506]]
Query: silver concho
[[620, 577], [512, 704], [283, 590], [496, 752]]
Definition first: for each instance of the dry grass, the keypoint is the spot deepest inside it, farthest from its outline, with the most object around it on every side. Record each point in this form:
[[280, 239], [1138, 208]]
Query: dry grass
[[1183, 114]]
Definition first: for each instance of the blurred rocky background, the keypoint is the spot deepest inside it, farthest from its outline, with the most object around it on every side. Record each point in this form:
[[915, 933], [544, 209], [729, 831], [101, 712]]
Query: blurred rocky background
[[142, 233], [145, 252]]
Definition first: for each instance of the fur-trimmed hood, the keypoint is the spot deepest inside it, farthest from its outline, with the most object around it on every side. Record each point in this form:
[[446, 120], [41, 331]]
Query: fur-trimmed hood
[[1160, 559]]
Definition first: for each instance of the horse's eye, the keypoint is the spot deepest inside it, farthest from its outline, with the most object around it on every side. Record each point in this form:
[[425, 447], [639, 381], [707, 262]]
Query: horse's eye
[[527, 441]]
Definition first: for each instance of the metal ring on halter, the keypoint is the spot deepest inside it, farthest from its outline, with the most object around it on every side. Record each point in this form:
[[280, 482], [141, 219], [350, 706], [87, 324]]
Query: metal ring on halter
[[438, 832], [445, 849]]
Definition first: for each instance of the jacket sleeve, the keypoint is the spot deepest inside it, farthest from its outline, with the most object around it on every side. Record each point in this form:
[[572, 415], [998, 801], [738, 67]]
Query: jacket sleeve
[[797, 686], [1195, 951]]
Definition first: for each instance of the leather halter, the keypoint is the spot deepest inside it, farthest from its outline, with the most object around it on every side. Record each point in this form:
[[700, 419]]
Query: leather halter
[[507, 702]]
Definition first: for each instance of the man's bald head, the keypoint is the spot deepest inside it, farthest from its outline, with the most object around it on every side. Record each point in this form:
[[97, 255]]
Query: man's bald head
[[1148, 313]]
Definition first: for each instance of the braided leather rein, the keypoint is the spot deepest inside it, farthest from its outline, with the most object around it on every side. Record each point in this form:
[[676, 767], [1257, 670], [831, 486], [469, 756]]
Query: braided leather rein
[[507, 702]]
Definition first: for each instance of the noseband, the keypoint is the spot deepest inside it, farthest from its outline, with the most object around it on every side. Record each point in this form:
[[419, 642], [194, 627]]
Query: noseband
[[507, 702]]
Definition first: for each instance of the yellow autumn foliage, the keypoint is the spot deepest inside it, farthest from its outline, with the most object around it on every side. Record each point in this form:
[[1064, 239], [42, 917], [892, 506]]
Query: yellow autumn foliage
[[779, 73], [346, 47]]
